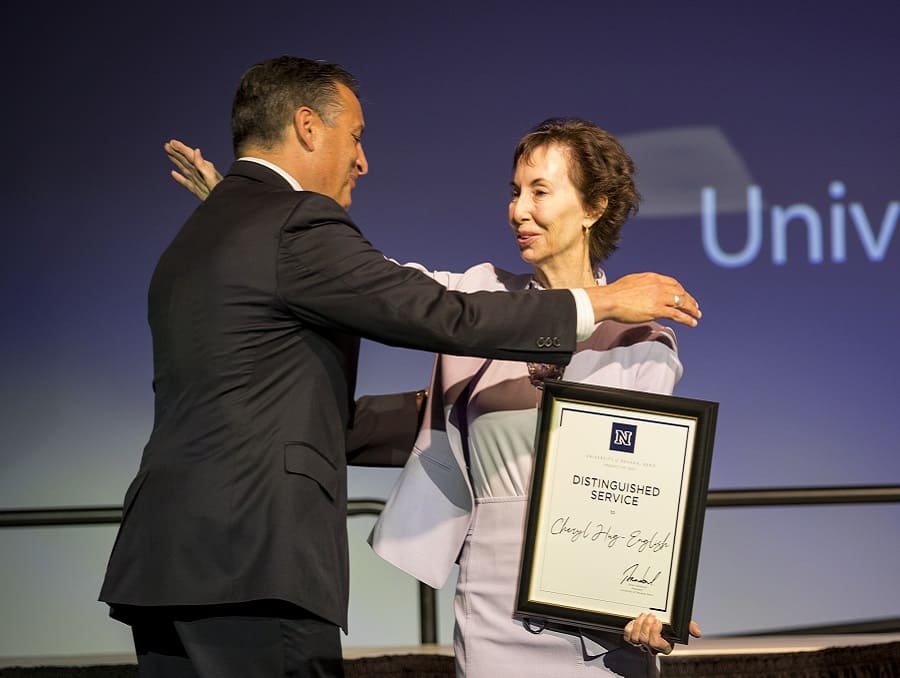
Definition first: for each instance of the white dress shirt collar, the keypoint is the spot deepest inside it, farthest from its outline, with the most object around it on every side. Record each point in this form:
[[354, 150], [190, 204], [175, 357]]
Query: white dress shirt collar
[[275, 168]]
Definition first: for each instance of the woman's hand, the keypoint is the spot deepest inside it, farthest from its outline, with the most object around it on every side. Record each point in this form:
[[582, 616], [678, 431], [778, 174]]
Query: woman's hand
[[645, 631], [196, 174]]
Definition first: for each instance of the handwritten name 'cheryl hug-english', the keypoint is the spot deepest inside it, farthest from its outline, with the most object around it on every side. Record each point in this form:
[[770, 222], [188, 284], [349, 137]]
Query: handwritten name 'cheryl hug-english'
[[608, 535]]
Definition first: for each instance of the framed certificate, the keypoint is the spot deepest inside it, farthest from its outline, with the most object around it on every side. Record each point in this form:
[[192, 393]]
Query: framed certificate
[[618, 496]]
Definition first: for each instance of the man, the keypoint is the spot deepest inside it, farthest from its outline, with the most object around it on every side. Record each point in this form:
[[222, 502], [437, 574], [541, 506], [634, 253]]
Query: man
[[231, 559]]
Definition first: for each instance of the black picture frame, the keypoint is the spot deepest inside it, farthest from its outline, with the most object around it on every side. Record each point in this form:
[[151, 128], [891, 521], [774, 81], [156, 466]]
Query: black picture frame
[[588, 589]]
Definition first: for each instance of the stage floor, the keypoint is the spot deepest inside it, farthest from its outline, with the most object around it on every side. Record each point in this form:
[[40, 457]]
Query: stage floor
[[698, 647], [784, 643]]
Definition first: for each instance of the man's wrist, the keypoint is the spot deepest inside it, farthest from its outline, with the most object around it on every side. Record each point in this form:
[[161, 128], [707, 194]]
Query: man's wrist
[[584, 324]]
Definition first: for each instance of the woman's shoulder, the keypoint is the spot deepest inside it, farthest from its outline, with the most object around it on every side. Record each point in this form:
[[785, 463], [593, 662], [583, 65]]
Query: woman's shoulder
[[611, 334], [488, 277]]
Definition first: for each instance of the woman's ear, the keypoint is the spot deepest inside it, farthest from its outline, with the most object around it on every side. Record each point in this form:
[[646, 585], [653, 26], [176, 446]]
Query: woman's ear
[[591, 215]]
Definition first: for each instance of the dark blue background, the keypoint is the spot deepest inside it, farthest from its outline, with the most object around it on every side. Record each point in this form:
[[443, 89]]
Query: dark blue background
[[800, 355]]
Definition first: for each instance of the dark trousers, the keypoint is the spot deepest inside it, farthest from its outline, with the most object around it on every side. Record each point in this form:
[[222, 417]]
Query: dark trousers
[[236, 641]]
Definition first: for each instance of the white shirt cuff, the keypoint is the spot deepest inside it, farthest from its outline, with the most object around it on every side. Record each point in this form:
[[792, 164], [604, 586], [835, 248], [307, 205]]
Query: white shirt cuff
[[584, 327]]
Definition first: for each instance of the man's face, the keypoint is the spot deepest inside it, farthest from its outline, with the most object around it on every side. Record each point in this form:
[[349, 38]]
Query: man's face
[[343, 159]]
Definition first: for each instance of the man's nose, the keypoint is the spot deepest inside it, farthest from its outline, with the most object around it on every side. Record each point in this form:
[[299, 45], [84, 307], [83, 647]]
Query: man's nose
[[362, 163]]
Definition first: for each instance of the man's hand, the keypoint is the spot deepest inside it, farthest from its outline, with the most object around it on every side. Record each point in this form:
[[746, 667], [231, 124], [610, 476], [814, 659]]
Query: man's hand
[[196, 174], [645, 631], [641, 297]]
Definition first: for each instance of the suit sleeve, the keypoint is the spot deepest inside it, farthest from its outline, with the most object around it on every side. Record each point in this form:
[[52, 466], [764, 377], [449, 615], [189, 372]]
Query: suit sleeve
[[384, 430], [329, 275]]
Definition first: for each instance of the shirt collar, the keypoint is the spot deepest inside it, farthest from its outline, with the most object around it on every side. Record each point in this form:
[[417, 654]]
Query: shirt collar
[[599, 276], [275, 168]]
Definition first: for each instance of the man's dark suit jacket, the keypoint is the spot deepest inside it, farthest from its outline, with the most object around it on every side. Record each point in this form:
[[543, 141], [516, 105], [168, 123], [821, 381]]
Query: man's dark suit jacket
[[256, 309]]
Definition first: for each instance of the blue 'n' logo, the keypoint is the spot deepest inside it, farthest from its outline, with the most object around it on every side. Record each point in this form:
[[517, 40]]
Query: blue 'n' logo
[[623, 437]]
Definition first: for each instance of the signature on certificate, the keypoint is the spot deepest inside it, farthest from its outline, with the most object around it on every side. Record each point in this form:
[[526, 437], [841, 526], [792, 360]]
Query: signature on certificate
[[630, 576]]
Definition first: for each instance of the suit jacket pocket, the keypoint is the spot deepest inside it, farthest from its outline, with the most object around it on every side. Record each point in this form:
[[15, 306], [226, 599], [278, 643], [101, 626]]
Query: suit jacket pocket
[[306, 460]]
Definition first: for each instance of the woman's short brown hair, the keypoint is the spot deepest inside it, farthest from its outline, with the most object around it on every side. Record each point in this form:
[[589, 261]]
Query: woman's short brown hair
[[598, 167]]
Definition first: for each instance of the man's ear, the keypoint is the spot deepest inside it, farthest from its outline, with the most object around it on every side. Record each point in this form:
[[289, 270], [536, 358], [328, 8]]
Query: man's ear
[[306, 123]]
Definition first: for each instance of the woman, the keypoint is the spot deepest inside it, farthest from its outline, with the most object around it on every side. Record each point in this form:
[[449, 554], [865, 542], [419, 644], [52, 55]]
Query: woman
[[572, 191]]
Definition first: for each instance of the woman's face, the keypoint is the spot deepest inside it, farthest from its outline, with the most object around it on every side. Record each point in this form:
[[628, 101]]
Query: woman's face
[[546, 212]]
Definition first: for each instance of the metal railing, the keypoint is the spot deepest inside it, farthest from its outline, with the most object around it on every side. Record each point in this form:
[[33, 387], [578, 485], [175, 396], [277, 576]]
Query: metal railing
[[792, 496], [876, 494], [112, 515]]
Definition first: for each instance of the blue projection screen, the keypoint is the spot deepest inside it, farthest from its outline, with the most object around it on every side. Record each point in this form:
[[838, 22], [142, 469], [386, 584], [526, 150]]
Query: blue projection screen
[[768, 148]]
